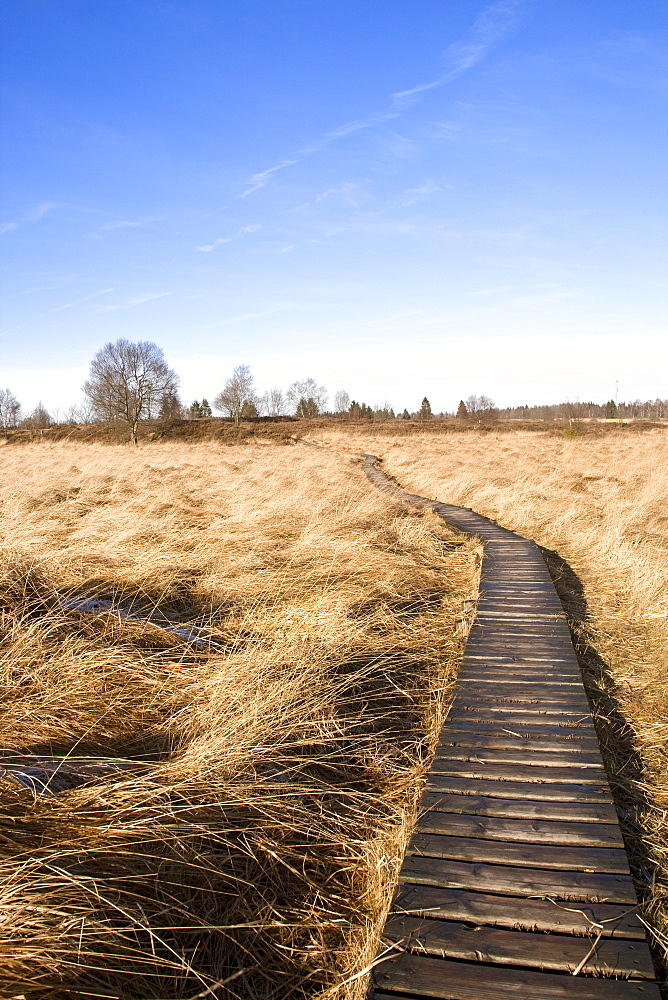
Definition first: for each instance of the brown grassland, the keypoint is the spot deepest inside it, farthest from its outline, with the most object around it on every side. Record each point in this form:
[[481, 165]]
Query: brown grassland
[[597, 504], [225, 806]]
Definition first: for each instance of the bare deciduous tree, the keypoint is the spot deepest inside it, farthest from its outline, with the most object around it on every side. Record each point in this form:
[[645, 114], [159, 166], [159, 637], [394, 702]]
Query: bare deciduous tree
[[341, 401], [307, 398], [39, 418], [236, 393], [10, 409], [78, 413], [383, 411], [481, 409], [273, 403], [128, 381]]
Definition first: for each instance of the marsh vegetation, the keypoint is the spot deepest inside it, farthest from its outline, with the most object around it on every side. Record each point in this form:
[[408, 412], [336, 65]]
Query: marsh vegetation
[[231, 738]]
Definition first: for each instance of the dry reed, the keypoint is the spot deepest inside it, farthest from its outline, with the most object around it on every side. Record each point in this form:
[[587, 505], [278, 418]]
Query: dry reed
[[244, 828]]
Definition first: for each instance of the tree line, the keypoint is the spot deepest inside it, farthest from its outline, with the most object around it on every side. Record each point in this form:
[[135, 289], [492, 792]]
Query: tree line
[[131, 382]]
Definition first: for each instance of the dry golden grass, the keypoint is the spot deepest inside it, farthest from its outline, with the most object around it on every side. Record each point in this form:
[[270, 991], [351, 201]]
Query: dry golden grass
[[600, 503], [245, 838]]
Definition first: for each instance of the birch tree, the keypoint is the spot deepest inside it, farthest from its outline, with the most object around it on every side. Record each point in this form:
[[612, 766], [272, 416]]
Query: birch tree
[[128, 382]]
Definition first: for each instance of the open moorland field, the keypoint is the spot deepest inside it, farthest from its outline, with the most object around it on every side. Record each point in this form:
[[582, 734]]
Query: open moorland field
[[598, 504], [208, 776]]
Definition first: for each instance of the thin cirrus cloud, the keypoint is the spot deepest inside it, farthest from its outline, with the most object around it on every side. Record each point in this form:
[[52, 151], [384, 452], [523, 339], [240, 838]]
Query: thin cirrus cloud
[[245, 317], [80, 302], [207, 248], [137, 302], [488, 30], [417, 194], [110, 227], [34, 215]]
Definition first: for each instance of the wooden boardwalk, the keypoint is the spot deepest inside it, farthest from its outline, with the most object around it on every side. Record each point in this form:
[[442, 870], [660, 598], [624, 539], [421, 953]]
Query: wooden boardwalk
[[516, 882]]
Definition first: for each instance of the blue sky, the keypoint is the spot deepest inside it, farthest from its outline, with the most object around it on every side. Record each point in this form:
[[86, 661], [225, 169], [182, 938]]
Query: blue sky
[[431, 197]]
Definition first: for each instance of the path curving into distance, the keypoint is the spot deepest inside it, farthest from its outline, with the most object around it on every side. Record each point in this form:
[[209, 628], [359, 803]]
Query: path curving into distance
[[516, 883]]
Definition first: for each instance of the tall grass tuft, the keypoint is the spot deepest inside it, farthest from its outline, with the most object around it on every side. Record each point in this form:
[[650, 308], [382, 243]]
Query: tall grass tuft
[[222, 808]]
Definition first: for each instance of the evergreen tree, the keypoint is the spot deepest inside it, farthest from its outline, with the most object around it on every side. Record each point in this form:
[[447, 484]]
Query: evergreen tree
[[170, 406], [462, 412], [405, 415], [425, 409], [249, 410], [307, 407], [195, 410], [611, 409], [205, 408]]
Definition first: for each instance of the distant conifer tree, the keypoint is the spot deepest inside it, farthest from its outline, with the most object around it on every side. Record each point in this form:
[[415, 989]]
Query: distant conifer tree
[[462, 412], [425, 409]]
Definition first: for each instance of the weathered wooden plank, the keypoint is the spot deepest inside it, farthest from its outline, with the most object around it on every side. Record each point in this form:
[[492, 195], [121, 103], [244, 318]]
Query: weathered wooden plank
[[523, 830], [515, 683], [555, 952], [467, 702], [424, 976], [472, 738], [527, 643], [520, 772], [479, 908], [538, 691], [516, 716], [528, 809], [464, 706], [583, 730], [510, 683], [520, 755], [560, 857], [482, 652], [546, 791], [546, 662], [510, 880], [553, 641], [474, 674], [511, 675], [516, 688]]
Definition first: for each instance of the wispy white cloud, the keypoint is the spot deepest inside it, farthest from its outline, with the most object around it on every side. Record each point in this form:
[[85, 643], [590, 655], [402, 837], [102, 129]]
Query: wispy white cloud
[[79, 302], [350, 191], [137, 302], [449, 130], [258, 181], [242, 231], [34, 215], [110, 227], [208, 247], [493, 291], [245, 317], [424, 191], [488, 30]]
